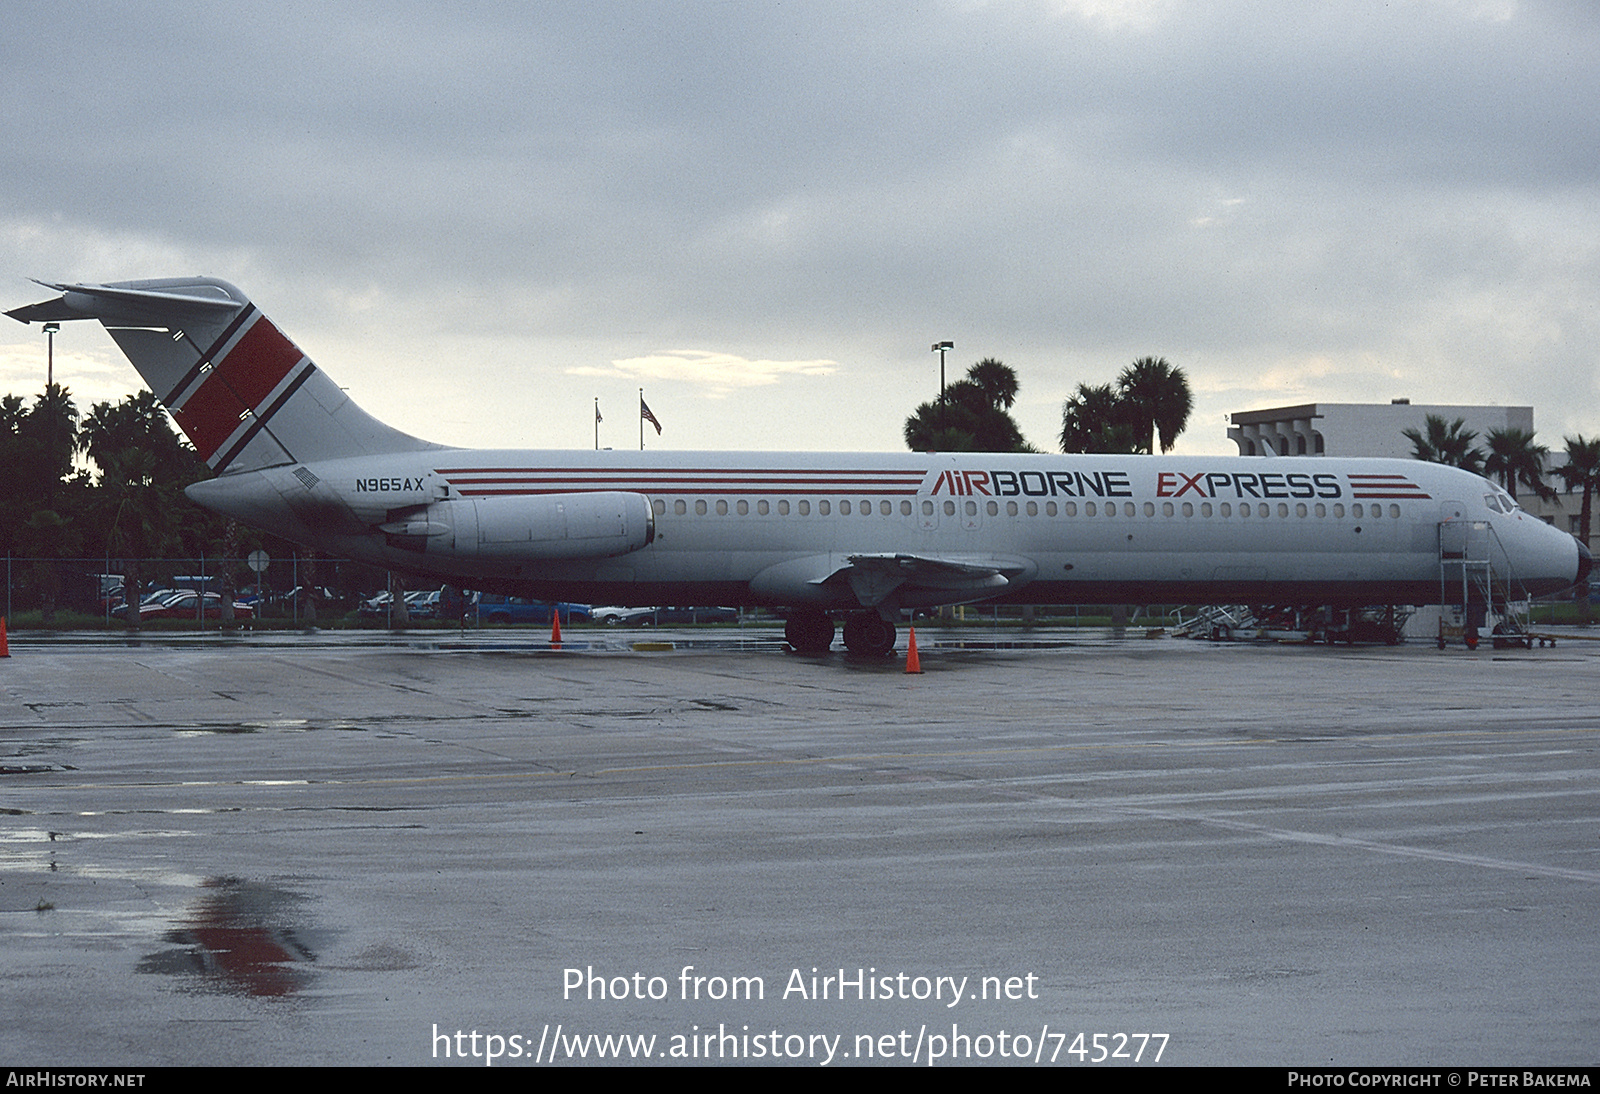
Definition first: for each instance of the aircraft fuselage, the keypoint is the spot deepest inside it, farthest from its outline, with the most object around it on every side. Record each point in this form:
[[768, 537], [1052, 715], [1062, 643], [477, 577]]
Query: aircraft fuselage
[[773, 529], [868, 534]]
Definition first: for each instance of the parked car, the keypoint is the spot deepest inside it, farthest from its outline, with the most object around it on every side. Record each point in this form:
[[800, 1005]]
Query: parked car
[[186, 604], [497, 609], [420, 604], [423, 604]]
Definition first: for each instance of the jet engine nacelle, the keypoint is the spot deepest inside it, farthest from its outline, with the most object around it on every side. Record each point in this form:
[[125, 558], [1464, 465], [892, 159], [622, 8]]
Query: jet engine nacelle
[[602, 524]]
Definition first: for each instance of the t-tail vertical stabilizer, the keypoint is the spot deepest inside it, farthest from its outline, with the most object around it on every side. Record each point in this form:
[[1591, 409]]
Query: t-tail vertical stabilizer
[[243, 393]]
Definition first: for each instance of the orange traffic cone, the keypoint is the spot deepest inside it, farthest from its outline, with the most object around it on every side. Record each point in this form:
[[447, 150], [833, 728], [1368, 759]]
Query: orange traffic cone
[[555, 627], [5, 650], [913, 662]]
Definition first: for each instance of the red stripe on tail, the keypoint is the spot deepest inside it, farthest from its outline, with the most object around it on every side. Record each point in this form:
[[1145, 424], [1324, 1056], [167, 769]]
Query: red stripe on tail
[[240, 382], [258, 363], [210, 416]]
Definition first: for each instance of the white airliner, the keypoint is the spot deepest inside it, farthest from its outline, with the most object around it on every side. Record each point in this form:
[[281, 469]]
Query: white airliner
[[824, 535]]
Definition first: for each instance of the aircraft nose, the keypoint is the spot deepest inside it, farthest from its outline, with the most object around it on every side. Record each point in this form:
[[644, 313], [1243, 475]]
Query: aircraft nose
[[1585, 564]]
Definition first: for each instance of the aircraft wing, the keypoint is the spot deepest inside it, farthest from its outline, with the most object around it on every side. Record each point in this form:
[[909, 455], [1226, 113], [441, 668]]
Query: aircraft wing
[[874, 578], [892, 580]]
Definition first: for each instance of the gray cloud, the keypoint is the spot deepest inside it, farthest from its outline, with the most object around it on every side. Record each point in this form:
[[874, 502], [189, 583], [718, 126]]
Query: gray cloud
[[1336, 201]]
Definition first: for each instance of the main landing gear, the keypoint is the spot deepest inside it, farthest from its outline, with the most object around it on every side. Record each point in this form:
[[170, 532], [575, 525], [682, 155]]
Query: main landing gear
[[808, 632], [866, 634]]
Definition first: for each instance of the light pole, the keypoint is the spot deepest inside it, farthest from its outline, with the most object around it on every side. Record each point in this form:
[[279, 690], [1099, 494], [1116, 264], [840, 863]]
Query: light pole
[[50, 353], [940, 348]]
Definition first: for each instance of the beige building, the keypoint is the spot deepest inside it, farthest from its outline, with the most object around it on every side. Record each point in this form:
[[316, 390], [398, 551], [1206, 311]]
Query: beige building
[[1358, 429], [1377, 429]]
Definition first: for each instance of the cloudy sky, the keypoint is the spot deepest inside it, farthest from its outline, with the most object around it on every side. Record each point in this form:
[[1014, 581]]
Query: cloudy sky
[[480, 217]]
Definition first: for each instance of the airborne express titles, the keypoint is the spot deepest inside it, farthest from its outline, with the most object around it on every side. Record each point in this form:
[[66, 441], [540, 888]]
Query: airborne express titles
[[1118, 484], [1099, 483]]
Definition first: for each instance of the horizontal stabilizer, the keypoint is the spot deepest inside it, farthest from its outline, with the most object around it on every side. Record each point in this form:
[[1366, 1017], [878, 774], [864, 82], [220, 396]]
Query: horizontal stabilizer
[[127, 303], [244, 394]]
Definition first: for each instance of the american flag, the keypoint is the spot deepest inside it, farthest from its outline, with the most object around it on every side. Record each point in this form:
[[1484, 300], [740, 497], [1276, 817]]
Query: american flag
[[644, 412]]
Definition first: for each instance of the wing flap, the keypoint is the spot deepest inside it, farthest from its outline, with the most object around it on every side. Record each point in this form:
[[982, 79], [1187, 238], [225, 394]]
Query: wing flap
[[933, 572], [892, 580]]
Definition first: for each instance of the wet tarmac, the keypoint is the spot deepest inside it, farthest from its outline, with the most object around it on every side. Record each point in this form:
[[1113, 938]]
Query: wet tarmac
[[332, 849]]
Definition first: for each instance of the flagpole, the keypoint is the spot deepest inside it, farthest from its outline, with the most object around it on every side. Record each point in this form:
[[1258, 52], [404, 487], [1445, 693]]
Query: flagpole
[[597, 423], [646, 416]]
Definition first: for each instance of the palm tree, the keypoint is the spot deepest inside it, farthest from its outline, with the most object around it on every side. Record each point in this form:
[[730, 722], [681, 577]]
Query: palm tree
[[1582, 472], [1159, 400], [47, 537], [1096, 419], [49, 434], [17, 495], [1447, 443], [998, 382], [925, 431], [979, 412], [138, 422], [1514, 459], [136, 516], [144, 466], [973, 416]]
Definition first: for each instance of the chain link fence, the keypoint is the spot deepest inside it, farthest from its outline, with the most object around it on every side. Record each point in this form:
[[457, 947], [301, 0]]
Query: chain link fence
[[54, 590]]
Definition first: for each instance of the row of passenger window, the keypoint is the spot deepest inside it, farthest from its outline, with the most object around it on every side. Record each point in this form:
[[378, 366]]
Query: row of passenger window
[[969, 508], [824, 508]]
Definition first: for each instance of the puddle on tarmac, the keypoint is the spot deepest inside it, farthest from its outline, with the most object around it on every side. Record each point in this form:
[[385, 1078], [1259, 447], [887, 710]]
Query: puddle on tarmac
[[242, 938]]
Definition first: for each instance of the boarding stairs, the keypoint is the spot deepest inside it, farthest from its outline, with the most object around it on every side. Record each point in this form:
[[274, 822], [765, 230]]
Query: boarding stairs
[[1478, 587], [1217, 622], [1293, 623]]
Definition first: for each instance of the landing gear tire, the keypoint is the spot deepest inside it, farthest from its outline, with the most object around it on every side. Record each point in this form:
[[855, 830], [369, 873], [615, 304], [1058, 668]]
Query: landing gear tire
[[869, 635], [808, 632]]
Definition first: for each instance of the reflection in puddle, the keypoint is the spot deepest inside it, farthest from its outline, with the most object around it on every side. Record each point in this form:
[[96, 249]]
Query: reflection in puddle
[[242, 938]]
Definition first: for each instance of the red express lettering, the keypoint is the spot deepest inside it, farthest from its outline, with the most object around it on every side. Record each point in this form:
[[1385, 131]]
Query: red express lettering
[[1267, 484]]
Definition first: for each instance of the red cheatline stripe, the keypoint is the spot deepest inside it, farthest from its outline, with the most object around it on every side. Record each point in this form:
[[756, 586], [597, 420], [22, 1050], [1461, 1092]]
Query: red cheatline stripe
[[1410, 497], [683, 472], [594, 480], [657, 488]]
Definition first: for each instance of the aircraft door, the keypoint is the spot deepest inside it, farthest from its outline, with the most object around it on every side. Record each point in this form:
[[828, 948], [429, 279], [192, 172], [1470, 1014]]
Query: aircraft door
[[1453, 529]]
